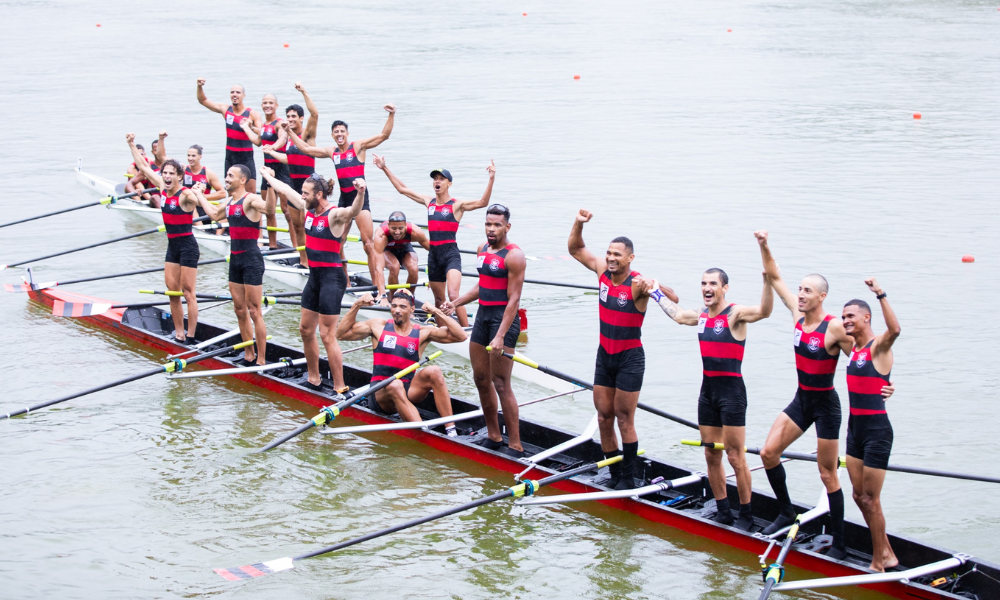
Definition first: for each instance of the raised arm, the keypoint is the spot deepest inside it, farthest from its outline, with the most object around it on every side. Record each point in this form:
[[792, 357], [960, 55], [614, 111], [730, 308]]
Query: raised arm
[[314, 151], [465, 205], [448, 330], [420, 236], [349, 329], [283, 188], [778, 284], [218, 189], [218, 107], [752, 314], [399, 185], [160, 154], [375, 140], [578, 250], [892, 330], [141, 164], [310, 127], [279, 156], [667, 300], [248, 128], [216, 212]]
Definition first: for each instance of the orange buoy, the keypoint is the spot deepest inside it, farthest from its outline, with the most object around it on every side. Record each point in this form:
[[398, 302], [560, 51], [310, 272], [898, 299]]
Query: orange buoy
[[729, 30], [968, 258], [98, 24], [576, 77], [524, 14], [286, 45], [917, 116]]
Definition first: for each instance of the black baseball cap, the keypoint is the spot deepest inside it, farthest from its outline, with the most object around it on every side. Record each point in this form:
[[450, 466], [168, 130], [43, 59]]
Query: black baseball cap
[[443, 173]]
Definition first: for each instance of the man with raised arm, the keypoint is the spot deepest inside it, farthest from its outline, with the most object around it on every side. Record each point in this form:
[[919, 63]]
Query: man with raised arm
[[722, 403], [444, 262], [246, 264], [621, 360], [501, 265], [394, 247], [396, 345], [239, 149], [180, 268], [270, 134], [300, 165], [869, 433], [325, 227], [195, 173], [136, 181], [349, 160]]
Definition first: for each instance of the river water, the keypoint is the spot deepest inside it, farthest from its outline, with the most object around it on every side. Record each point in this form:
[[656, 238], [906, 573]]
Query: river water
[[691, 126]]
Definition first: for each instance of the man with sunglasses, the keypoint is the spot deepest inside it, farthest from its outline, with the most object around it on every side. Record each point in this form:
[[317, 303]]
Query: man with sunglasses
[[501, 266], [325, 226], [444, 264], [399, 344], [394, 247]]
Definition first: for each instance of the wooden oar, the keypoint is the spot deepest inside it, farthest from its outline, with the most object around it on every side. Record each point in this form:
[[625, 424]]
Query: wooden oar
[[843, 463], [89, 246], [525, 488], [172, 366], [102, 201], [330, 412], [524, 360]]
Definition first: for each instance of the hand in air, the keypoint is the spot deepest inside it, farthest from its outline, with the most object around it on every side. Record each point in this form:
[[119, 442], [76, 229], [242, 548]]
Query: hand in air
[[584, 216], [267, 171], [201, 82], [283, 125], [390, 108], [365, 299], [873, 286], [130, 138], [267, 148], [492, 169], [199, 187], [761, 236], [163, 134], [429, 308], [379, 161], [299, 87], [360, 185]]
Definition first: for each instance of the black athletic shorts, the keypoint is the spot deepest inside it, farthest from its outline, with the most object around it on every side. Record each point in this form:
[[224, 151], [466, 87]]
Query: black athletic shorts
[[184, 251], [324, 290], [280, 173], [442, 259], [347, 199], [869, 438], [241, 158], [247, 268], [819, 407], [400, 252], [723, 402], [622, 371], [373, 404], [487, 324], [297, 184]]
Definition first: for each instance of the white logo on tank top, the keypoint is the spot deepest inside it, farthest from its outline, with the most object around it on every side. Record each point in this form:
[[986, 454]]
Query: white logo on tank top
[[701, 324], [390, 342], [336, 159], [479, 262], [797, 337], [604, 292], [309, 222], [229, 119]]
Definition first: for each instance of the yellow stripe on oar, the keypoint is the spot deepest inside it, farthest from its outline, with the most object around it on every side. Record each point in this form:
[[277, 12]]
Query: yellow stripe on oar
[[357, 262], [614, 459], [414, 366], [279, 229], [524, 360], [712, 445]]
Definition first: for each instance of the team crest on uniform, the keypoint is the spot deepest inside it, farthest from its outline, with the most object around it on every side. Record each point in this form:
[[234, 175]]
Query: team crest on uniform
[[813, 344], [320, 225], [494, 264], [411, 347], [861, 360], [389, 342], [622, 298], [719, 326], [238, 211], [446, 210], [350, 157], [173, 202]]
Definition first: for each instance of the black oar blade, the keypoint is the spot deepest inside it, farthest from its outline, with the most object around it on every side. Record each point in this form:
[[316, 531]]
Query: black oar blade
[[282, 440], [256, 570]]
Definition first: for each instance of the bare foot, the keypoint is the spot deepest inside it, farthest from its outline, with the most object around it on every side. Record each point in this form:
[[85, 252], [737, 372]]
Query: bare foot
[[890, 562], [876, 568]]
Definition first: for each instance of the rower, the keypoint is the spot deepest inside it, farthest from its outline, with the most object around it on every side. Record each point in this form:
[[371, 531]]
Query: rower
[[399, 344], [869, 433], [349, 161], [444, 262], [136, 181], [195, 173], [239, 149], [818, 340], [246, 264], [271, 135], [501, 265], [180, 268], [300, 166], [325, 225], [722, 403], [394, 247], [621, 360]]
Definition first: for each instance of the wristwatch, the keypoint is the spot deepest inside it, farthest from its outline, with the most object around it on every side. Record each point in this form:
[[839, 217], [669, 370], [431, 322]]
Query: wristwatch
[[880, 296]]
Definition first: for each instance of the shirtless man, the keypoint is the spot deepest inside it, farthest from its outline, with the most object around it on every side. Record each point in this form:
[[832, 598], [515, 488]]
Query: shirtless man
[[239, 149]]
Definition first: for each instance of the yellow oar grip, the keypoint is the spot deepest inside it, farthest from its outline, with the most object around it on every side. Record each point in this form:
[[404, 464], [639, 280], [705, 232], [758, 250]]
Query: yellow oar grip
[[173, 293], [147, 292], [107, 200], [435, 355], [843, 461], [242, 345], [400, 286], [356, 262], [281, 229], [161, 228], [614, 459], [713, 445], [524, 360]]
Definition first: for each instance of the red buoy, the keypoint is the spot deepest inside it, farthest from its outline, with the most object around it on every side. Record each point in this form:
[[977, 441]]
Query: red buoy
[[576, 77], [917, 116], [968, 258]]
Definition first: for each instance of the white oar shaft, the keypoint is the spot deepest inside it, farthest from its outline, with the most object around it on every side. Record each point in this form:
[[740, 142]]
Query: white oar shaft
[[613, 494], [822, 507], [810, 584], [586, 436], [237, 371]]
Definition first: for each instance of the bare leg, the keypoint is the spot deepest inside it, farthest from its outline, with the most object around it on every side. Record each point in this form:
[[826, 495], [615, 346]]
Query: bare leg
[[412, 268], [483, 378], [454, 291], [735, 440], [828, 460], [272, 221], [604, 402], [328, 333], [251, 186], [783, 432], [501, 367], [867, 483], [243, 318], [365, 227], [713, 459], [307, 330], [288, 220], [395, 395], [427, 379], [393, 265], [439, 292], [172, 279], [189, 277], [254, 294]]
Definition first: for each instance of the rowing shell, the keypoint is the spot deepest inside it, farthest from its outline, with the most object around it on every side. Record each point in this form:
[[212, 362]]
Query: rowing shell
[[281, 267], [688, 506]]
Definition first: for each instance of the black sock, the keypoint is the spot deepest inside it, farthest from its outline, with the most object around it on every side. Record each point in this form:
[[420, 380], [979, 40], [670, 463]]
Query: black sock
[[776, 477], [628, 464], [615, 469], [837, 518], [725, 513], [745, 510], [745, 520]]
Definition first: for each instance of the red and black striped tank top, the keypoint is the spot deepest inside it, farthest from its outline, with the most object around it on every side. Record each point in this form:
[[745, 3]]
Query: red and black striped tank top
[[493, 276], [621, 321], [864, 383], [269, 136], [176, 220], [394, 352], [721, 353], [243, 232], [236, 138], [814, 365], [300, 166], [190, 179], [322, 248], [401, 242], [442, 226], [349, 167]]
